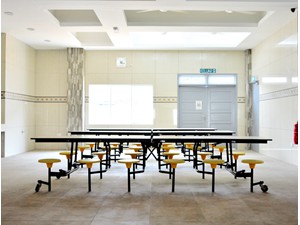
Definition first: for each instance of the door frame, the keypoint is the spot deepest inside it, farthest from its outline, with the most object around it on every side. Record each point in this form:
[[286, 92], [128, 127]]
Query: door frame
[[205, 84]]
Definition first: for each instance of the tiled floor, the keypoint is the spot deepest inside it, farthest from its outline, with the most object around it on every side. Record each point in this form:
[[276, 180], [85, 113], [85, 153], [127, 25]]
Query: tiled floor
[[151, 200]]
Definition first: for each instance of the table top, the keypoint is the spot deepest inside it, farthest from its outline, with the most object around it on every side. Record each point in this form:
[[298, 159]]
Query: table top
[[161, 138], [212, 138], [111, 132], [195, 132], [93, 138]]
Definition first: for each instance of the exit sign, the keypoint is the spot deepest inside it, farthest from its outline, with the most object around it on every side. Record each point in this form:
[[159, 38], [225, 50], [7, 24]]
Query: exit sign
[[208, 70]]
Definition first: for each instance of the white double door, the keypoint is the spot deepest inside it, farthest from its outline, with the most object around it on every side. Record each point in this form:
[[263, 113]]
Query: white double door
[[207, 106]]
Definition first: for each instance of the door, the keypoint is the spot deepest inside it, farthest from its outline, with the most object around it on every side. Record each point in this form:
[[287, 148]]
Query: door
[[192, 107], [222, 107], [207, 106]]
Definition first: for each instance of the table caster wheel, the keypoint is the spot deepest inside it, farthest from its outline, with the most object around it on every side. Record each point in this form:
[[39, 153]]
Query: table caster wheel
[[264, 188], [37, 188]]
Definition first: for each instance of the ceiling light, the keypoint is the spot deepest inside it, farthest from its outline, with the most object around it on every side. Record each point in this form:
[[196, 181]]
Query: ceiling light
[[47, 40], [30, 29], [228, 11], [188, 39], [163, 10]]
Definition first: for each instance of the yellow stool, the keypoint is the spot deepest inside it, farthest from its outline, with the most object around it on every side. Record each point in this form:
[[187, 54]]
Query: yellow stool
[[134, 155], [221, 150], [136, 148], [84, 147], [213, 163], [236, 157], [169, 155], [91, 146], [252, 163], [173, 164], [49, 163], [100, 157], [69, 161], [128, 163], [117, 151], [167, 148], [67, 154], [89, 164], [203, 157], [81, 149]]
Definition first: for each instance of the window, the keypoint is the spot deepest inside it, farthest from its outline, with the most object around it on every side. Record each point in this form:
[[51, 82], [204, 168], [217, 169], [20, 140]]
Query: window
[[120, 104], [207, 79]]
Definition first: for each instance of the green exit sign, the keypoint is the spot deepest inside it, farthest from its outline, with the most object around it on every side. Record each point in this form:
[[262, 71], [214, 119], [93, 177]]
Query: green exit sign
[[208, 70]]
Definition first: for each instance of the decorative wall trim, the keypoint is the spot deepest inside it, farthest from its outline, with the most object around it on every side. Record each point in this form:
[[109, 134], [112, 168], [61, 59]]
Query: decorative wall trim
[[17, 96], [279, 94], [35, 99], [164, 99], [63, 99], [51, 99]]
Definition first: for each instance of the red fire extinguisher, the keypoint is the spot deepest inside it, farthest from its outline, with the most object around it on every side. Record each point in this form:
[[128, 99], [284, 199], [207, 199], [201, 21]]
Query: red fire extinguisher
[[296, 133]]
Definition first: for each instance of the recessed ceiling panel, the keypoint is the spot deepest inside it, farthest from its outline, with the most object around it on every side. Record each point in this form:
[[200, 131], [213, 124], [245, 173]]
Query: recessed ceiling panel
[[94, 39], [76, 17], [188, 39], [193, 18]]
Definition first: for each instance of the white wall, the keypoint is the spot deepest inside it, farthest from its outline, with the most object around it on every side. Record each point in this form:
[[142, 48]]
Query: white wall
[[160, 69], [18, 112], [51, 92], [278, 102]]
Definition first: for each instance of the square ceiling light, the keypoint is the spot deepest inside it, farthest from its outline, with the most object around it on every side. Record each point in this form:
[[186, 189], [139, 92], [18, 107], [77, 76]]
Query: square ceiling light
[[94, 39], [188, 39], [76, 17]]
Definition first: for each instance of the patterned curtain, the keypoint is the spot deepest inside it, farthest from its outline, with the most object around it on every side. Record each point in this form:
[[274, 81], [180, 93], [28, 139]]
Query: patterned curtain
[[75, 94]]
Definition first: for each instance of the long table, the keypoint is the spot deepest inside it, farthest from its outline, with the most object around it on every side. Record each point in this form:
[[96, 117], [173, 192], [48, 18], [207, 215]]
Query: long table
[[155, 142], [155, 132], [106, 140], [198, 140]]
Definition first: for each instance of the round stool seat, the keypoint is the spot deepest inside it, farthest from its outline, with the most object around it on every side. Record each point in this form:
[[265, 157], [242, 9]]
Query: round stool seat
[[136, 148], [99, 154], [91, 145], [237, 154], [82, 148], [67, 154], [221, 148], [204, 154], [49, 161], [168, 148], [252, 162], [128, 162], [133, 154], [170, 154], [188, 145], [114, 145], [88, 162], [168, 145], [174, 162], [213, 162]]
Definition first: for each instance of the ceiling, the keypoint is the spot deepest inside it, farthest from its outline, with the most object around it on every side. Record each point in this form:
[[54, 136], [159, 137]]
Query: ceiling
[[145, 24]]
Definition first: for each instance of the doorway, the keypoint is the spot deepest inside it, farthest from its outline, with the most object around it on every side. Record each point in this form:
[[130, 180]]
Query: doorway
[[207, 104]]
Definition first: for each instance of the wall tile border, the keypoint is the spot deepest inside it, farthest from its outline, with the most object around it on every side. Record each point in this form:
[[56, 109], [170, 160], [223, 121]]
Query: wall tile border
[[63, 99], [35, 99], [279, 94]]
